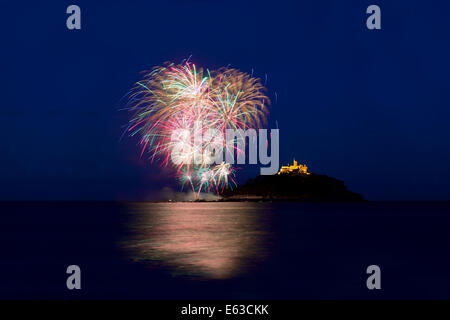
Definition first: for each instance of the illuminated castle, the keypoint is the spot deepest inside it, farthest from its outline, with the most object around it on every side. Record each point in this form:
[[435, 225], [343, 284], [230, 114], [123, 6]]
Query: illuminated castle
[[295, 168]]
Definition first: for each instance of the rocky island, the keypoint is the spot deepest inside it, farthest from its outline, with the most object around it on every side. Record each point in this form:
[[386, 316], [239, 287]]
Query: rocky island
[[293, 183]]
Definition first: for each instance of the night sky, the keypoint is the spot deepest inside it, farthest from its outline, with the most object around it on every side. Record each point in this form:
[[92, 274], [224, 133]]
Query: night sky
[[368, 107]]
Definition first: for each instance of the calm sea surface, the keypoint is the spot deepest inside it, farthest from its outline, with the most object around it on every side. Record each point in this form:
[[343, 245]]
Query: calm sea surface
[[225, 250]]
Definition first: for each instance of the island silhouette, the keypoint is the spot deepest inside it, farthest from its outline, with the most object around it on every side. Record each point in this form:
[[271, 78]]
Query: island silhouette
[[292, 183]]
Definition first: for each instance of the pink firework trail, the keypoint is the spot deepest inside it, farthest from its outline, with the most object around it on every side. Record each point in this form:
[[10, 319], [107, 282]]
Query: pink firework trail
[[173, 98]]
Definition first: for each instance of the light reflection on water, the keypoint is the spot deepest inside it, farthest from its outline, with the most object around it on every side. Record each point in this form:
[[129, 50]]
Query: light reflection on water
[[209, 240]]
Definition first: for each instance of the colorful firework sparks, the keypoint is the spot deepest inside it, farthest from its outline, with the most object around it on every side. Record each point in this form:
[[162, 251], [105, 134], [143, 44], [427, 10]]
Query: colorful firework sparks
[[170, 100]]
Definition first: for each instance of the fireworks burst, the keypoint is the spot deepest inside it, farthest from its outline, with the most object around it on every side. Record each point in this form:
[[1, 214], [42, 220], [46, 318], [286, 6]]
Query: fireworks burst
[[170, 100]]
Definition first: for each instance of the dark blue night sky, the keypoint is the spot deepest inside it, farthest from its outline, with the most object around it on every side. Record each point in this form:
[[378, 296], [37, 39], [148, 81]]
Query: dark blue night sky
[[368, 107]]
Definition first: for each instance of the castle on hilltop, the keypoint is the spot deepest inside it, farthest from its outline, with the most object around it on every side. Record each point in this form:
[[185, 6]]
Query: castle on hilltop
[[295, 168]]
